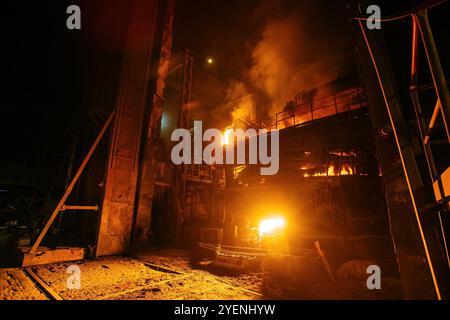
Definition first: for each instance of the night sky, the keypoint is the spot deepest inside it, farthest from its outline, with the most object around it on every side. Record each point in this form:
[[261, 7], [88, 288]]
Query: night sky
[[229, 30], [42, 74]]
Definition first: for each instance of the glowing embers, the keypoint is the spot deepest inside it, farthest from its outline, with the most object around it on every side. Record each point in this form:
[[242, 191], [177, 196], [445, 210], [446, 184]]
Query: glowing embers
[[271, 226], [346, 170], [238, 170], [333, 171], [338, 163]]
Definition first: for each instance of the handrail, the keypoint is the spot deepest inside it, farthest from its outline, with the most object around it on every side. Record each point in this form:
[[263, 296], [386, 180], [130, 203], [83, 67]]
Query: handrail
[[317, 109]]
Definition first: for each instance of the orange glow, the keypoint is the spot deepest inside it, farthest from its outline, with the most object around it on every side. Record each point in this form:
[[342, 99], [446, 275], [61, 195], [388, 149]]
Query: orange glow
[[346, 170], [269, 226], [331, 170], [317, 174], [238, 170], [226, 137]]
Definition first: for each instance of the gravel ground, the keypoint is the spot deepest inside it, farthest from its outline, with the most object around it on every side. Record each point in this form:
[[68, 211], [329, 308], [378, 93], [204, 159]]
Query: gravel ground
[[15, 285], [178, 260], [124, 278]]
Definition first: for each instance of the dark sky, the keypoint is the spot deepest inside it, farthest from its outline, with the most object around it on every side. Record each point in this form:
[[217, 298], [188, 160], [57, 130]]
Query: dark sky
[[41, 76], [44, 70], [47, 69], [229, 30], [224, 30]]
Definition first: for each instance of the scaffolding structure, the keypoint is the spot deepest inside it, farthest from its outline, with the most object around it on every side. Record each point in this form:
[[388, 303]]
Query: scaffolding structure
[[439, 181]]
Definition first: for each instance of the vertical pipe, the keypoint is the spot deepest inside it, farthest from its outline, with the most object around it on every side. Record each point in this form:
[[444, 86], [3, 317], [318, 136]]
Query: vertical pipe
[[414, 52], [335, 104]]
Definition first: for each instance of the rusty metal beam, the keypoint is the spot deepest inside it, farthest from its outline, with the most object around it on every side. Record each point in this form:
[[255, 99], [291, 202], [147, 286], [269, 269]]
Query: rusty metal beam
[[118, 207], [414, 55], [428, 132], [407, 157], [440, 86], [80, 208], [146, 178], [71, 185]]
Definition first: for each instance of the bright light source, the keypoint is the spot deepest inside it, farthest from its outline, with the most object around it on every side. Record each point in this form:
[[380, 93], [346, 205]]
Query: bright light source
[[210, 60], [272, 225], [226, 137]]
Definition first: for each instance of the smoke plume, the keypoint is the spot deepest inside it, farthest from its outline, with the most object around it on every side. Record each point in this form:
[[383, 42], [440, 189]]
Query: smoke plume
[[295, 52]]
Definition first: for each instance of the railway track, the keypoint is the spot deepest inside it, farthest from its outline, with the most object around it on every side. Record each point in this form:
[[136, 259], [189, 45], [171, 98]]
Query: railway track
[[175, 278]]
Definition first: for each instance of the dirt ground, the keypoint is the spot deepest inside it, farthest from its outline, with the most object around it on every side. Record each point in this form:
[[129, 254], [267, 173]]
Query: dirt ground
[[15, 285], [165, 275], [124, 278]]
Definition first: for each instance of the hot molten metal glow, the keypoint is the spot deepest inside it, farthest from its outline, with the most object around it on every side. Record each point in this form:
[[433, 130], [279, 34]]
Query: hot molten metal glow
[[226, 136], [270, 225]]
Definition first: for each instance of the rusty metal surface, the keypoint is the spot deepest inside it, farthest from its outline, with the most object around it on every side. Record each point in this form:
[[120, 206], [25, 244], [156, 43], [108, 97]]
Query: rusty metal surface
[[403, 185], [116, 219], [146, 182], [71, 185]]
